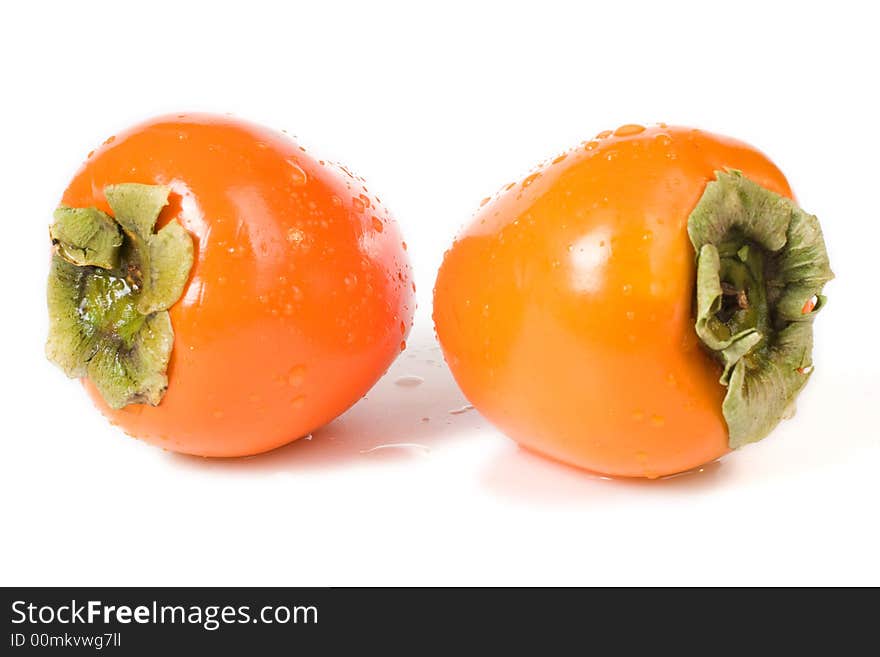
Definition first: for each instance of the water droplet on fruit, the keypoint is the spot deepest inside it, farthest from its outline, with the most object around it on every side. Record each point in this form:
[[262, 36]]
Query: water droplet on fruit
[[627, 289], [462, 410], [628, 130], [378, 226], [350, 281], [358, 204], [530, 179], [559, 159], [297, 175], [297, 375], [604, 134], [295, 236], [402, 345], [299, 401], [658, 420], [484, 201]]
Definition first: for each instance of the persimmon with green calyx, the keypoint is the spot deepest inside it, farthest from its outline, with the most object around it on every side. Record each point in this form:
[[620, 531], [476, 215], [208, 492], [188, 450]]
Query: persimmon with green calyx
[[219, 290], [639, 306]]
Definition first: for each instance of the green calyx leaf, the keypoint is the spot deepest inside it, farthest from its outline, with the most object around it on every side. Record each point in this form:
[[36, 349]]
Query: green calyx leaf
[[761, 267], [86, 236], [111, 282]]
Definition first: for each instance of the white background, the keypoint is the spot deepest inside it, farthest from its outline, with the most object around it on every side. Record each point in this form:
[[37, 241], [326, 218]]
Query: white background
[[438, 105]]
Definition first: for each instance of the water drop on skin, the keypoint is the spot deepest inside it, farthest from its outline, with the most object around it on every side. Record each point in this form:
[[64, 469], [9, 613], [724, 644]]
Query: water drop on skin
[[297, 175], [530, 179], [629, 130], [409, 381], [297, 375]]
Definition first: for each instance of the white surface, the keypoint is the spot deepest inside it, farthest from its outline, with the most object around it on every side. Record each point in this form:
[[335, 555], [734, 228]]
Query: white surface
[[437, 108]]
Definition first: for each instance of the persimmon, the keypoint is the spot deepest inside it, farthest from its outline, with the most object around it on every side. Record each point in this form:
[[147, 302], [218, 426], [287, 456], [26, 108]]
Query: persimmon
[[640, 305], [220, 290]]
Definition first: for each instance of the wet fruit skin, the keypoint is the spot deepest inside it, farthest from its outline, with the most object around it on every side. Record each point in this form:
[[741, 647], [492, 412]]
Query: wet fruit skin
[[565, 308], [300, 296]]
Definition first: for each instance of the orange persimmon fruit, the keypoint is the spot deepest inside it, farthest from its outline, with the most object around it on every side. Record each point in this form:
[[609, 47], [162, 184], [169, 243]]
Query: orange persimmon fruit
[[220, 290], [638, 306]]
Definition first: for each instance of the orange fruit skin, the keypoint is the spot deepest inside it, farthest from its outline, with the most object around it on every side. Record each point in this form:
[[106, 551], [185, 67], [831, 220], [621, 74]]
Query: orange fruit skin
[[300, 296], [565, 308]]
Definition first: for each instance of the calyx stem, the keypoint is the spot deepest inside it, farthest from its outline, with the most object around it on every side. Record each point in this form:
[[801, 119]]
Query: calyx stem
[[761, 263], [111, 282]]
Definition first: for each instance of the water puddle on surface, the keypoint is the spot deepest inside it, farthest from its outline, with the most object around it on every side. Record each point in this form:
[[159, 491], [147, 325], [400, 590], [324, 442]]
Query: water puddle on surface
[[409, 381], [461, 410], [398, 448]]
